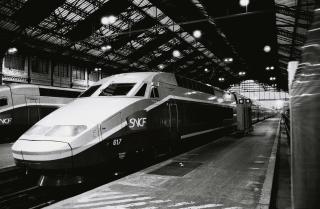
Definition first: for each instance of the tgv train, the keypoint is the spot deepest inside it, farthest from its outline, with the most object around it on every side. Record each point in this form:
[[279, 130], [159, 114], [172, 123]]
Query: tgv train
[[123, 114], [22, 105]]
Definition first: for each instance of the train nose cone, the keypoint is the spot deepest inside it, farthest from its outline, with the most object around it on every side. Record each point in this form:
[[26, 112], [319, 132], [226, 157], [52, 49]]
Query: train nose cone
[[43, 154]]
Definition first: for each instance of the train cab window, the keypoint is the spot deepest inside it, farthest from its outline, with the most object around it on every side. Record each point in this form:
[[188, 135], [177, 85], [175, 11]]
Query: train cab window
[[3, 102], [117, 89], [154, 92], [90, 91], [142, 90]]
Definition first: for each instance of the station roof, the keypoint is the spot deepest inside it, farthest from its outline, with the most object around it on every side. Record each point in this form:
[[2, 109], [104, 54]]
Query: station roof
[[143, 35]]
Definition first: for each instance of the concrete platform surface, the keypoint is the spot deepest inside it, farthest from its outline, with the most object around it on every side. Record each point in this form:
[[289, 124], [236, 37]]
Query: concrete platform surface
[[227, 173], [6, 159]]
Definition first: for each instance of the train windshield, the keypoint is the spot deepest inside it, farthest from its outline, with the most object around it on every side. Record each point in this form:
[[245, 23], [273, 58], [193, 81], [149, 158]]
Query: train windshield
[[90, 91], [117, 89]]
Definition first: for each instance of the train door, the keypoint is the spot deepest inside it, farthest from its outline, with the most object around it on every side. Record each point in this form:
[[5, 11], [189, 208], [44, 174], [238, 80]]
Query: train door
[[32, 110], [174, 135], [173, 116]]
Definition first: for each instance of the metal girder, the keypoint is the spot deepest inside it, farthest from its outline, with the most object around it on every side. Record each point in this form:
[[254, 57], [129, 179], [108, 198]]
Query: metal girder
[[286, 33], [178, 35], [55, 50], [30, 14], [137, 28], [90, 24], [165, 56], [288, 11], [72, 8], [175, 66], [292, 52], [295, 35], [150, 46]]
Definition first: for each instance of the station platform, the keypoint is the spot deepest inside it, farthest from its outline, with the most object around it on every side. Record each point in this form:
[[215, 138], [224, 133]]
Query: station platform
[[228, 173], [6, 159]]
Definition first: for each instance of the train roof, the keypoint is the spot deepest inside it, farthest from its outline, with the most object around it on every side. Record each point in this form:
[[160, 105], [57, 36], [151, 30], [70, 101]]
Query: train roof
[[143, 76], [137, 76], [19, 85]]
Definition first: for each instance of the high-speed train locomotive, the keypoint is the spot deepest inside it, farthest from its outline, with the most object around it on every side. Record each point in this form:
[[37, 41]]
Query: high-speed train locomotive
[[124, 114], [22, 105]]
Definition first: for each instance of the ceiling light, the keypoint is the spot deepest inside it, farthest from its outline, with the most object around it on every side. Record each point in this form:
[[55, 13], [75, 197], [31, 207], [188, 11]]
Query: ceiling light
[[228, 60], [107, 20], [161, 66], [244, 3], [267, 48], [197, 33], [106, 48], [176, 53], [12, 50], [242, 73]]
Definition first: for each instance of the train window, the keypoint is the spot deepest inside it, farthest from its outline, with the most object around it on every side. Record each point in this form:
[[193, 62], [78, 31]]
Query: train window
[[90, 91], [117, 89], [3, 102], [58, 93], [142, 90], [37, 130], [66, 130], [154, 92]]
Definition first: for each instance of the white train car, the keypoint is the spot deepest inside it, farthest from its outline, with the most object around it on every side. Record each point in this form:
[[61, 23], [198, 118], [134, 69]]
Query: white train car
[[123, 114]]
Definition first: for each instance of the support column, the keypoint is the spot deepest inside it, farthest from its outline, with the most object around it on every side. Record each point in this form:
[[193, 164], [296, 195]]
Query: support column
[[305, 126]]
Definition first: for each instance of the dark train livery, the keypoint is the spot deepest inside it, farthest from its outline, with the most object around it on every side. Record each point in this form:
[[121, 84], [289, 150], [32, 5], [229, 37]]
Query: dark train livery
[[22, 105], [123, 114]]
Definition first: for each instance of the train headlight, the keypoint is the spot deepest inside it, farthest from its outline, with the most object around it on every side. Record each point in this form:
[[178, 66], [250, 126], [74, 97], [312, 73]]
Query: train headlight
[[66, 130]]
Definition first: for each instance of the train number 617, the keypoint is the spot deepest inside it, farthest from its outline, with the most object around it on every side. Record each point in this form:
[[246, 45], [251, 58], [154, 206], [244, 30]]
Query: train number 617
[[116, 142]]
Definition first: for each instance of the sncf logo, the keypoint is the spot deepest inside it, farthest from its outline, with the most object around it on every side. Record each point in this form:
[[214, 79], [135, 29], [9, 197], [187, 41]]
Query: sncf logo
[[137, 122], [5, 121]]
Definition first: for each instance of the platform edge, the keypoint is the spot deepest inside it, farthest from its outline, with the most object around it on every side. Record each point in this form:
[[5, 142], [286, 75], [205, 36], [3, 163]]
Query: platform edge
[[265, 197]]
